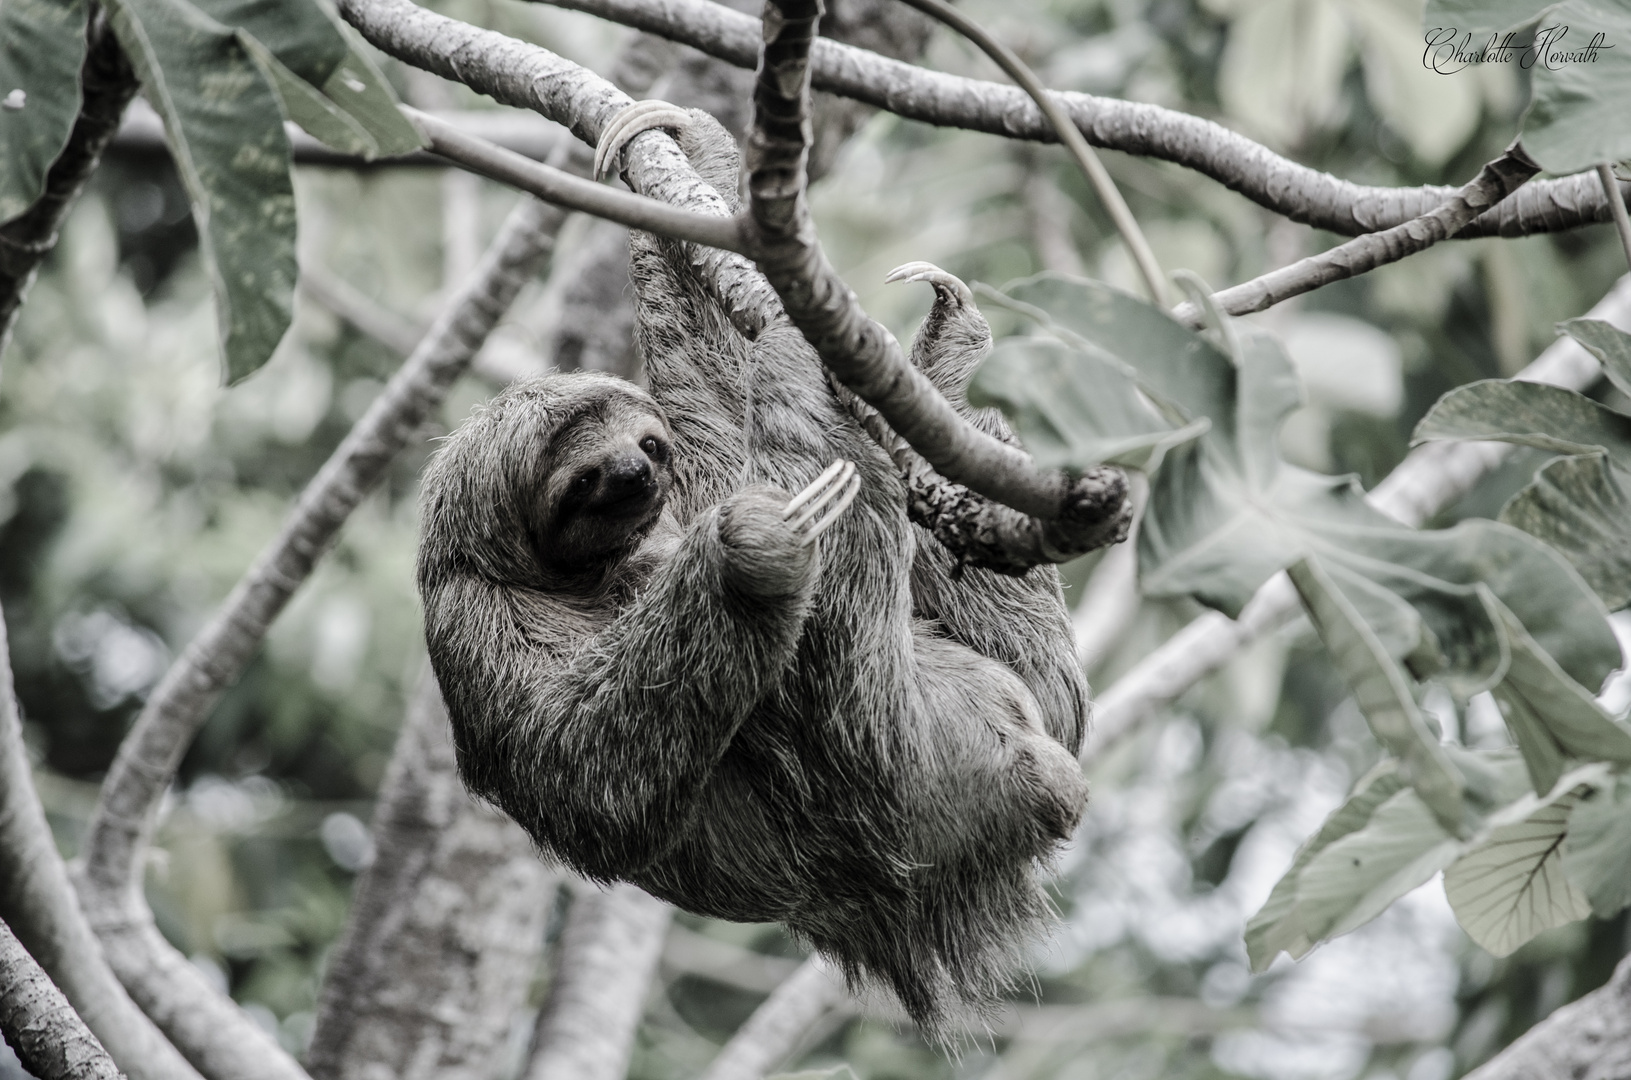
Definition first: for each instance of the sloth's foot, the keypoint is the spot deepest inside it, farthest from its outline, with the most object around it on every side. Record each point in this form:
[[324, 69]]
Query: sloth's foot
[[948, 288], [812, 511], [637, 118]]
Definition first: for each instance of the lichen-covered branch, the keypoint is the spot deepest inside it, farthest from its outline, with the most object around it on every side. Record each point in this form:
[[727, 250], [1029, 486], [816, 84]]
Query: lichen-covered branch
[[1302, 194], [214, 1034], [445, 929], [107, 84], [50, 1039], [780, 1024], [1431, 478], [1494, 182], [39, 904], [609, 952]]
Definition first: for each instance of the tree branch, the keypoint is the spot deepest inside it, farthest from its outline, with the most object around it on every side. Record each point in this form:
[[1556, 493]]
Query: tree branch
[[210, 1030], [609, 952], [445, 929], [39, 904], [1589, 1039], [51, 1040], [1285, 187], [1494, 182], [780, 1024], [864, 356], [1430, 479], [107, 85]]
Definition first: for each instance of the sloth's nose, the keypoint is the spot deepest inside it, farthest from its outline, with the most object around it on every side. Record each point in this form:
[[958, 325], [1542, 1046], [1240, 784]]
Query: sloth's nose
[[627, 476]]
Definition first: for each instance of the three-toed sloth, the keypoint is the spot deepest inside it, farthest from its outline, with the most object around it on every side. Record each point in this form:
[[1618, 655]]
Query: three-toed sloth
[[649, 668]]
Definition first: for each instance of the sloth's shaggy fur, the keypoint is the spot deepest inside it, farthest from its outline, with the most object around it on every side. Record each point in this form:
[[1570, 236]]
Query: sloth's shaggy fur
[[665, 688]]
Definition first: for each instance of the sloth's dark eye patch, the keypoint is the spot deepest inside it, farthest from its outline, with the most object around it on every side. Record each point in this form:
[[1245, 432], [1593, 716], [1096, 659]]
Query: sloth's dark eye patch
[[584, 484]]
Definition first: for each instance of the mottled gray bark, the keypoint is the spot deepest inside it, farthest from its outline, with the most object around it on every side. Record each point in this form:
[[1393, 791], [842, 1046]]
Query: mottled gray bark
[[445, 929], [107, 85], [39, 904], [1302, 194], [778, 1026], [1589, 1039], [50, 1039], [608, 954]]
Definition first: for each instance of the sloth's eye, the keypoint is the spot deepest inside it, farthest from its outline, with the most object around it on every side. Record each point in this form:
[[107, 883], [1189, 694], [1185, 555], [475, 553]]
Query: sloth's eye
[[584, 484], [649, 445]]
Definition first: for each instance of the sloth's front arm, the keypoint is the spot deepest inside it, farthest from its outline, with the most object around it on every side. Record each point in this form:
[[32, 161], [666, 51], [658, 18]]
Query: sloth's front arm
[[599, 747]]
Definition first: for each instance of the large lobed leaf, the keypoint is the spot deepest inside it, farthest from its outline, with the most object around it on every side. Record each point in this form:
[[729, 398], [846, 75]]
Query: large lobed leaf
[[42, 45], [1580, 505]]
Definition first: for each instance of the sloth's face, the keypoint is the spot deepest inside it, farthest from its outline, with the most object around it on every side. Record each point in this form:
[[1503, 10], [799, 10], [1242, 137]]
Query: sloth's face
[[608, 480]]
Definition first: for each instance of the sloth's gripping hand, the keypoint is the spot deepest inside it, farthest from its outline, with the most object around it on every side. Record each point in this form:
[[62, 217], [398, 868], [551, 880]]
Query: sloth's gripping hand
[[771, 539]]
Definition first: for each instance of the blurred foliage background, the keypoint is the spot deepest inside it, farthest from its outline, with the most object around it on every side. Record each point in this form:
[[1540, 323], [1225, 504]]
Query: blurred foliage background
[[134, 491]]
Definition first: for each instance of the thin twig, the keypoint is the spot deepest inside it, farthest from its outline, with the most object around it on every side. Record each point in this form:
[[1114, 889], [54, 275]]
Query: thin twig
[[1494, 182], [609, 952], [51, 1040], [107, 85], [780, 1024], [39, 904], [575, 193], [1622, 219], [1064, 128], [1431, 478], [1295, 191]]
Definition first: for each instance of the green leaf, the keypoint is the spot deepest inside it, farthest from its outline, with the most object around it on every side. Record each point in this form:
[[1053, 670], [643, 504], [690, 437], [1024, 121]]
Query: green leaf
[[1510, 885], [1609, 344], [1226, 513], [227, 140], [1383, 696], [328, 85], [1528, 414], [1070, 406], [1597, 847], [1282, 925], [1576, 115], [1552, 717], [1582, 507], [42, 45]]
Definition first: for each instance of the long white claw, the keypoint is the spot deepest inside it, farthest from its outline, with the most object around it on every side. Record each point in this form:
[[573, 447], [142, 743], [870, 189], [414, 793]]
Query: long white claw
[[940, 279], [824, 499], [815, 488], [640, 117], [851, 488]]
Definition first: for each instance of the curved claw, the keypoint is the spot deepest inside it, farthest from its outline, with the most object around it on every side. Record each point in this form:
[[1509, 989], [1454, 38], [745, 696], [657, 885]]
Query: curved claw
[[812, 511], [639, 117], [949, 285]]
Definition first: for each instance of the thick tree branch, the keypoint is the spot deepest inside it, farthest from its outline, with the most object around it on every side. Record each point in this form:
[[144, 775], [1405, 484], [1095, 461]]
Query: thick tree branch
[[210, 1030], [39, 904], [1494, 182], [107, 85], [525, 75], [1589, 1039], [1431, 479], [780, 1024], [445, 929], [862, 354], [1302, 194], [51, 1040], [609, 952]]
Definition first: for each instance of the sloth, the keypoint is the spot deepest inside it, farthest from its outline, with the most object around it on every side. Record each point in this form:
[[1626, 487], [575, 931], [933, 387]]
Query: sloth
[[756, 706]]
